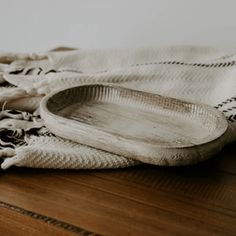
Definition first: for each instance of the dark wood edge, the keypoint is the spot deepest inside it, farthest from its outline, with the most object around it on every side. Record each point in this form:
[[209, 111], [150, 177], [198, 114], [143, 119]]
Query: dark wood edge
[[48, 220]]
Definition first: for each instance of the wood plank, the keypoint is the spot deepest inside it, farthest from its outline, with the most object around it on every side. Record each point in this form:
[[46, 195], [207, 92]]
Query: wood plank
[[96, 204], [93, 210], [143, 200], [200, 186], [14, 223]]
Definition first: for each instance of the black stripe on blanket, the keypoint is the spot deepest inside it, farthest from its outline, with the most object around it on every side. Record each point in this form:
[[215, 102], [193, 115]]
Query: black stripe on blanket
[[12, 138], [40, 71]]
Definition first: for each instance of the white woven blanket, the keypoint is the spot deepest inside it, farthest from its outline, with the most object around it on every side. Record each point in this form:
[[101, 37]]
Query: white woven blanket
[[194, 74]]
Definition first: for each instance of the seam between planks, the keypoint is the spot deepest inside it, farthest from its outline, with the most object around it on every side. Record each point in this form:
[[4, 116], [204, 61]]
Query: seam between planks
[[48, 220]]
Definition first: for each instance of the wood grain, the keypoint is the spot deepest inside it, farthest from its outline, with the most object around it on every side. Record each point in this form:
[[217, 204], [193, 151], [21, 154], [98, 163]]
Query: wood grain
[[12, 223], [142, 200], [147, 127]]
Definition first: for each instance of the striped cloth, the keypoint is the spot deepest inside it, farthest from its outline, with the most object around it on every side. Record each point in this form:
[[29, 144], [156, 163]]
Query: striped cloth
[[195, 74]]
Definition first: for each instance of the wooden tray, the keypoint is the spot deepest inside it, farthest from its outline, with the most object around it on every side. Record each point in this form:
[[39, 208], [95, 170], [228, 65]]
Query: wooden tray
[[139, 125]]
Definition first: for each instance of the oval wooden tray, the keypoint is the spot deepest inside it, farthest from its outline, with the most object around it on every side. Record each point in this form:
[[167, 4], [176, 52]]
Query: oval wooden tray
[[139, 125]]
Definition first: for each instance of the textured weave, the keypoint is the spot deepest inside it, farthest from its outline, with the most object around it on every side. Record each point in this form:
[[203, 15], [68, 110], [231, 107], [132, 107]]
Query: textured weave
[[194, 74]]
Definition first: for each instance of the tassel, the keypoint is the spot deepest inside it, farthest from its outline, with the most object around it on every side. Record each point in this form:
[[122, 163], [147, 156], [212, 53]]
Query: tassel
[[12, 95], [7, 152]]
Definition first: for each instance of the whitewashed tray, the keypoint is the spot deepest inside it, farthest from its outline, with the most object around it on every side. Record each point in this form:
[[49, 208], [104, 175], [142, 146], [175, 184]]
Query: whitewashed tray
[[147, 127]]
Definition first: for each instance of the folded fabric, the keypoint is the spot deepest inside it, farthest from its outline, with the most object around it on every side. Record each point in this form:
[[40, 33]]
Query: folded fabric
[[195, 74]]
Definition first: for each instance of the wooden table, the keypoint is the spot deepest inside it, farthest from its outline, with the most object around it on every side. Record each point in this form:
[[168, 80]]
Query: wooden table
[[142, 200]]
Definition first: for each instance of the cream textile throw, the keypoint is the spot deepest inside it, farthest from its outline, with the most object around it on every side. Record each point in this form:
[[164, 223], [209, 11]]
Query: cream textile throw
[[196, 74]]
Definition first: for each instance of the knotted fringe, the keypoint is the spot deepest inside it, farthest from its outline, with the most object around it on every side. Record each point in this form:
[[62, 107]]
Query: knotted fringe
[[200, 74]]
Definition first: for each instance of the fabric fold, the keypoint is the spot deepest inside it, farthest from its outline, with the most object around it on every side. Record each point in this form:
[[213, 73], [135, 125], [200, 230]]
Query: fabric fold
[[195, 74]]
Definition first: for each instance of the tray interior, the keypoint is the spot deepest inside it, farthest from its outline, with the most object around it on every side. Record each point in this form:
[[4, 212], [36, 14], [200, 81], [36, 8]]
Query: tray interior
[[138, 116]]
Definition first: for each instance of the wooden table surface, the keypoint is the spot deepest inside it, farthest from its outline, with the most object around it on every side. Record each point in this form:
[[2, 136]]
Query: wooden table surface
[[142, 200]]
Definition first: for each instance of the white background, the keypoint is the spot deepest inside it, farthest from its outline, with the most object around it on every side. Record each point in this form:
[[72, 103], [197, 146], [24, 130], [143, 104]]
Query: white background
[[30, 25]]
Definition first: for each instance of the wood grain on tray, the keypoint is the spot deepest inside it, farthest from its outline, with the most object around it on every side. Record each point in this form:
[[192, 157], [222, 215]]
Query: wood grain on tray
[[146, 127]]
